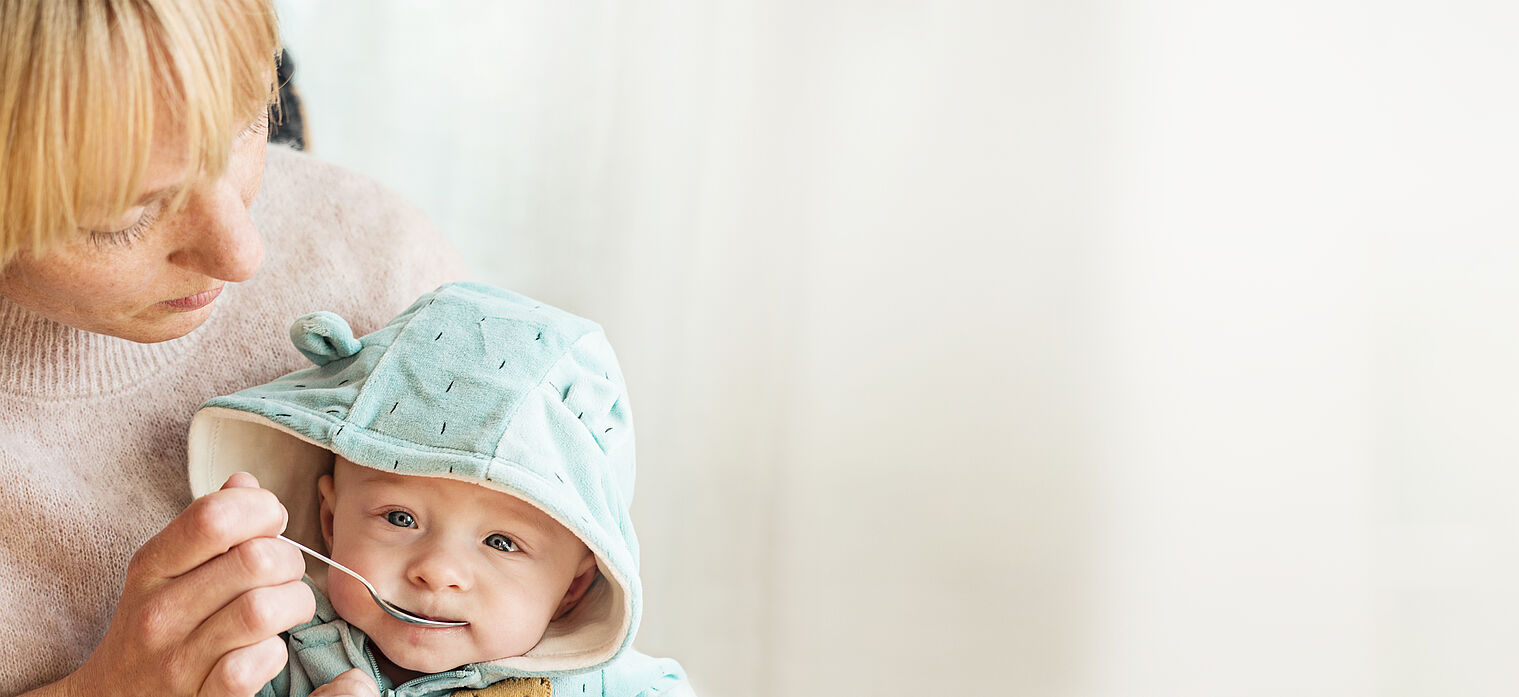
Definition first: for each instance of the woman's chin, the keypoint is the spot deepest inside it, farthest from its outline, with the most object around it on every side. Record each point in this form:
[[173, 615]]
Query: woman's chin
[[159, 325]]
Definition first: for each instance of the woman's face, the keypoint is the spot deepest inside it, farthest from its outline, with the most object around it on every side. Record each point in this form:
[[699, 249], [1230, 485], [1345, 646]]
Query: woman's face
[[152, 274]]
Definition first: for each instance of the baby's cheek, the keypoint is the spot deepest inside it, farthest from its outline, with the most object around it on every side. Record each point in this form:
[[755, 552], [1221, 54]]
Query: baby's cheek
[[350, 599], [511, 638]]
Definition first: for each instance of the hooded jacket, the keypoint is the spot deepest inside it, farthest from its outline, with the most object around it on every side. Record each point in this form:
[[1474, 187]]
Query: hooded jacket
[[472, 383]]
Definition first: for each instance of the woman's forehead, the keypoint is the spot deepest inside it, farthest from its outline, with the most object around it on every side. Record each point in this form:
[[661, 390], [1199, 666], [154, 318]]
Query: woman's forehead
[[167, 170]]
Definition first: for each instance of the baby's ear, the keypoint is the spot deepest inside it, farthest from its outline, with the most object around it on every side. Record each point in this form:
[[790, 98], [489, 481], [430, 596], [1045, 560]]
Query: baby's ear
[[585, 575], [324, 493]]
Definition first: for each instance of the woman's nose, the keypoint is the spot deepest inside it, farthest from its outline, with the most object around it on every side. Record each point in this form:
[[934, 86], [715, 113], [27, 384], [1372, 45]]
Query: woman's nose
[[216, 235]]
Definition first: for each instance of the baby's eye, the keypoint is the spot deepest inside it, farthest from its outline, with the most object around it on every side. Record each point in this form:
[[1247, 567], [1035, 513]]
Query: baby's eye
[[401, 519], [501, 543]]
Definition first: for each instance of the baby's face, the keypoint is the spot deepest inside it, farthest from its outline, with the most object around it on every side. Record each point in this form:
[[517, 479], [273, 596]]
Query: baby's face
[[451, 550]]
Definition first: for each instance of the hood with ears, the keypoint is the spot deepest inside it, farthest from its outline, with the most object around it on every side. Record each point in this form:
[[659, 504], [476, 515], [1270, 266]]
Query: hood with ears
[[471, 383]]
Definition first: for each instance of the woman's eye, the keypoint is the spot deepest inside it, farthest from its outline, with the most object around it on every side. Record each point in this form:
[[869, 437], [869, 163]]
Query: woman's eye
[[401, 519], [501, 543], [124, 237], [258, 125]]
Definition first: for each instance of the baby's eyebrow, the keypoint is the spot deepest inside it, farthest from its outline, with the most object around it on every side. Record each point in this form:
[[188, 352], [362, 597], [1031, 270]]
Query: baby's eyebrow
[[534, 527], [372, 480]]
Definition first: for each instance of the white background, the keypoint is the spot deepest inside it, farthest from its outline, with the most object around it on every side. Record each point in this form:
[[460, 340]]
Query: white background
[[1086, 348]]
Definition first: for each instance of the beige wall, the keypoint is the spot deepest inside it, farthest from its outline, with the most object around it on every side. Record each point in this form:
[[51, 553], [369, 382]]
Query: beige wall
[[1031, 348]]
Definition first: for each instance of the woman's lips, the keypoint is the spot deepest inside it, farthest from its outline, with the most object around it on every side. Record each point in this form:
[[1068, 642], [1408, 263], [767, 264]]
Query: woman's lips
[[193, 302]]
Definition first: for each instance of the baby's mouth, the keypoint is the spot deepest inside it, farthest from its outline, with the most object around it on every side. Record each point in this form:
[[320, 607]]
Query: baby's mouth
[[433, 618]]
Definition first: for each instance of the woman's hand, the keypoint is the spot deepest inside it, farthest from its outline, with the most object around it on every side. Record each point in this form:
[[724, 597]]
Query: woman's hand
[[204, 603], [354, 683]]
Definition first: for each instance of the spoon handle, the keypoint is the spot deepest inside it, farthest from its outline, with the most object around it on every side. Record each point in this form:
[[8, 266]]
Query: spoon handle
[[330, 562], [392, 610]]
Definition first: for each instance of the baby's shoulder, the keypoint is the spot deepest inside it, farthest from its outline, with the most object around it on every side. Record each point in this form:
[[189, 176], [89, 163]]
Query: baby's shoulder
[[635, 674]]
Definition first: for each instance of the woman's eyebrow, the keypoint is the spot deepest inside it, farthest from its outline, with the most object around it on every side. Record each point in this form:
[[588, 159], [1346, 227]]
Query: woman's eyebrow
[[159, 193]]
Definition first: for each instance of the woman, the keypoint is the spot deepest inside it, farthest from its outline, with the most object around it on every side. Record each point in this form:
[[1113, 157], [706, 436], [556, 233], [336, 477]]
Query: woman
[[143, 270]]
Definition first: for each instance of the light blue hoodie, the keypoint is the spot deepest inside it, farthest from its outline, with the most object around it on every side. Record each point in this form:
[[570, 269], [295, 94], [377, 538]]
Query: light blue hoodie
[[471, 383]]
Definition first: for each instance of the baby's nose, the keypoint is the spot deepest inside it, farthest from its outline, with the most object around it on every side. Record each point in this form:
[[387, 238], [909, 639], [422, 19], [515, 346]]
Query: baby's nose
[[438, 570]]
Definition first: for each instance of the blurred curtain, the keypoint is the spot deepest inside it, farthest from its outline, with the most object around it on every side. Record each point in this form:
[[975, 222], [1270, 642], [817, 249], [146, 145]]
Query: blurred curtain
[[1086, 348]]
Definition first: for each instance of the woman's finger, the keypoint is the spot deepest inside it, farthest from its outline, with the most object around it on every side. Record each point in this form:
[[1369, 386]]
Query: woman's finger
[[262, 562], [240, 480], [251, 618], [209, 526], [198, 600], [241, 673]]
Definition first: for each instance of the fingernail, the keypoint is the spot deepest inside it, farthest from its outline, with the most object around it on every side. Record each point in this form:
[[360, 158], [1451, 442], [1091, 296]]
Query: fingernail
[[286, 521]]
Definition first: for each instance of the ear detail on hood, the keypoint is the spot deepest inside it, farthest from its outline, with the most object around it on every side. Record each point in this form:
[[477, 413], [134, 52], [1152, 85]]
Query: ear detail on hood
[[594, 401], [324, 337]]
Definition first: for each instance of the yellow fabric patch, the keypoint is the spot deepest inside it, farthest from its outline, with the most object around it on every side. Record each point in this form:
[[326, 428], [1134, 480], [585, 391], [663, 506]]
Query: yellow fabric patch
[[513, 687]]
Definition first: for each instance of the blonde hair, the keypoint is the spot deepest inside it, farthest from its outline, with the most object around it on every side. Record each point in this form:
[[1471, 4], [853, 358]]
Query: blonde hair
[[81, 82]]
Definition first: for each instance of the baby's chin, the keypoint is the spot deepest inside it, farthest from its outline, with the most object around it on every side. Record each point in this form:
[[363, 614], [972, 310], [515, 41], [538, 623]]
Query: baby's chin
[[417, 660], [413, 663]]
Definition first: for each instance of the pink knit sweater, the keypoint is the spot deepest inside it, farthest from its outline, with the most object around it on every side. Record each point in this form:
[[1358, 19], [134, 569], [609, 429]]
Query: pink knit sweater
[[92, 428]]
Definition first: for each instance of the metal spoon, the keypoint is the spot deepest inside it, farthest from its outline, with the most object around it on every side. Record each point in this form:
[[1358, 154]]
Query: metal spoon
[[394, 611]]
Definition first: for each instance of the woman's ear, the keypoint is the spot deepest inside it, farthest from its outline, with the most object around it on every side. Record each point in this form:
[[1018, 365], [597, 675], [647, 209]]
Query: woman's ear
[[585, 575], [325, 495]]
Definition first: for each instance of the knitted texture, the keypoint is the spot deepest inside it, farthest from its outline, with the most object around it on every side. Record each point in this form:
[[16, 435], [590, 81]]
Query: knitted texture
[[92, 428]]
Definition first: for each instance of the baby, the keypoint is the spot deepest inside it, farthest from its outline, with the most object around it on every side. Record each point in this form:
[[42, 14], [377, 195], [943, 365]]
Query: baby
[[474, 461]]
